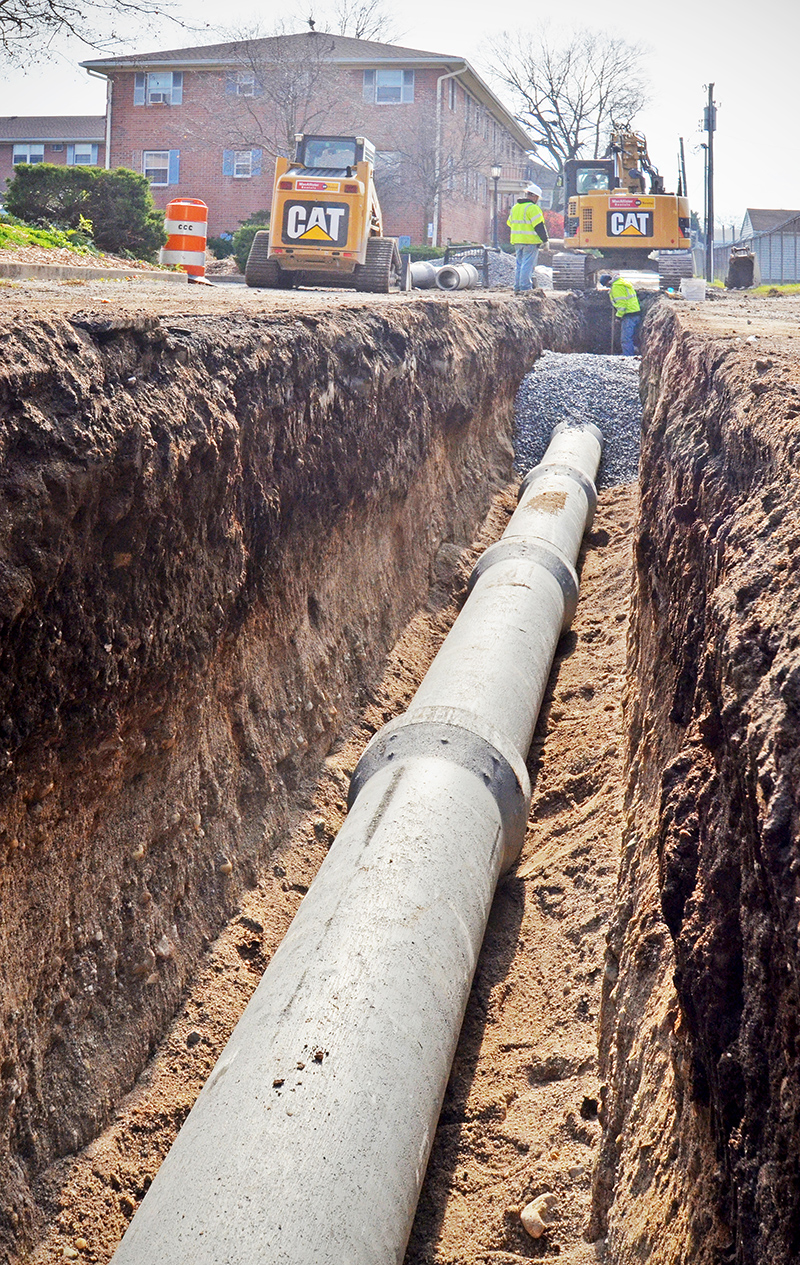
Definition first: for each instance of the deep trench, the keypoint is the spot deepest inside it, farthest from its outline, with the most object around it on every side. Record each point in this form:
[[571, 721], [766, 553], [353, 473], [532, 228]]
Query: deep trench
[[174, 680]]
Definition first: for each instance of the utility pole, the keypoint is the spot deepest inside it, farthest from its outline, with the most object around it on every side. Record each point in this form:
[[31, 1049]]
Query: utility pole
[[684, 187], [704, 148], [710, 126]]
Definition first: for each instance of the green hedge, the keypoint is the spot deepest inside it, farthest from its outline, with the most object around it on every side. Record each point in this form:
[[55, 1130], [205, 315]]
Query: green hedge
[[243, 237], [116, 205]]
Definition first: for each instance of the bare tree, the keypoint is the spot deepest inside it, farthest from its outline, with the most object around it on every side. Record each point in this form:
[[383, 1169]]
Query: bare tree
[[279, 85], [364, 20], [570, 95], [28, 28], [417, 168]]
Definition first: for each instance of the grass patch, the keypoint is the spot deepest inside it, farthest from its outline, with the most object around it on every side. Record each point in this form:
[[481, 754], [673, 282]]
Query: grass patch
[[13, 235], [775, 292]]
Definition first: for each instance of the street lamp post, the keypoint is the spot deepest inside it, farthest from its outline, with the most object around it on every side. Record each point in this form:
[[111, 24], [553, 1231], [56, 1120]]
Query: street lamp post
[[496, 174]]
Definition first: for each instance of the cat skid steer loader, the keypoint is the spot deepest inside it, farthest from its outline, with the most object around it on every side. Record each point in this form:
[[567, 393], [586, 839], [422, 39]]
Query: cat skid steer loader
[[326, 226]]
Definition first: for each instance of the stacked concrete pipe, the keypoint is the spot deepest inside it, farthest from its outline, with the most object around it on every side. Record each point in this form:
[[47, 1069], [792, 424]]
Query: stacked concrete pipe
[[464, 276], [423, 274], [310, 1139]]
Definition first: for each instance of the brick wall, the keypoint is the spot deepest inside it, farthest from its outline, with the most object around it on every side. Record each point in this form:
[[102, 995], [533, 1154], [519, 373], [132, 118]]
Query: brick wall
[[210, 121]]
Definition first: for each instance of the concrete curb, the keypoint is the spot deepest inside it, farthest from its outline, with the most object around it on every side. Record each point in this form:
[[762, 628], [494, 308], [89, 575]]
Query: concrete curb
[[66, 272]]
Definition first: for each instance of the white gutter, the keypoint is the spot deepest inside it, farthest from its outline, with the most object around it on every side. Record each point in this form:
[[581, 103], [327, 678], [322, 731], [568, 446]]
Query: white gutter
[[109, 93], [437, 157]]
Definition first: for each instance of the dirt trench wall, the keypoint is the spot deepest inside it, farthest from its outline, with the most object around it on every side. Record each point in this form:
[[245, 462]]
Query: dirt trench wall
[[212, 529], [700, 1022]]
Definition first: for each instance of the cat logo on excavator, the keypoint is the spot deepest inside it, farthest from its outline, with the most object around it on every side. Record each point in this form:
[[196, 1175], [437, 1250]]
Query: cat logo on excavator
[[630, 223]]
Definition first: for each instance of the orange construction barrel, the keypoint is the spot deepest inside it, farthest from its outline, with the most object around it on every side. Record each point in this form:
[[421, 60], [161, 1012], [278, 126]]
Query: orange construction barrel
[[186, 224]]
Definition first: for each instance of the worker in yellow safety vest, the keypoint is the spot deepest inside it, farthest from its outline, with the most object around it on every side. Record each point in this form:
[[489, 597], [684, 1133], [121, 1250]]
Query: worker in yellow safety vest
[[528, 233], [626, 306]]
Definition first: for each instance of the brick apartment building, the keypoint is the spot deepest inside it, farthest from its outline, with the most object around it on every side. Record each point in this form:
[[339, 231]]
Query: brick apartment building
[[67, 140], [207, 123]]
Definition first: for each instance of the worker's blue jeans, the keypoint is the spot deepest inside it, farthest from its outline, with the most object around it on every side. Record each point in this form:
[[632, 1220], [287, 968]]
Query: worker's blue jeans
[[527, 254], [630, 324]]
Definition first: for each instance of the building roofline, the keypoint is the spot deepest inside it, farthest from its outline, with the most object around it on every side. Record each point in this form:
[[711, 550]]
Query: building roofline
[[89, 127], [180, 59]]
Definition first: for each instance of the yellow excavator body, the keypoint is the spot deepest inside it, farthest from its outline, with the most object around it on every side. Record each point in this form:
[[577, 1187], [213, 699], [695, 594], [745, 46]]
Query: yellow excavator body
[[617, 215]]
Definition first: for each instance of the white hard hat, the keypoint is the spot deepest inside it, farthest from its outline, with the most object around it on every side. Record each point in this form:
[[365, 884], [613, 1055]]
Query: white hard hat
[[534, 189]]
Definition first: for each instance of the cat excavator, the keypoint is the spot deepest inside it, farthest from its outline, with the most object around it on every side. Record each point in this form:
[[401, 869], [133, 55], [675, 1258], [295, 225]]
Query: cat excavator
[[326, 226], [617, 215]]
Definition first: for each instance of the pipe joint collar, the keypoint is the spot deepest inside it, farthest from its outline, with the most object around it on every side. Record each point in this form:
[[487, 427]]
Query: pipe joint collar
[[463, 738], [539, 553], [583, 481]]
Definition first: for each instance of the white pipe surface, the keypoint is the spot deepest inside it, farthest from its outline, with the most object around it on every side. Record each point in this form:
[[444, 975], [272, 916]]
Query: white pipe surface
[[464, 276], [423, 274], [309, 1141]]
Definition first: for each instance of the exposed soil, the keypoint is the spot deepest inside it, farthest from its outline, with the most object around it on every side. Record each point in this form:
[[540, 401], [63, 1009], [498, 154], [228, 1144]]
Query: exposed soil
[[212, 532], [691, 1119], [520, 1116], [701, 1009]]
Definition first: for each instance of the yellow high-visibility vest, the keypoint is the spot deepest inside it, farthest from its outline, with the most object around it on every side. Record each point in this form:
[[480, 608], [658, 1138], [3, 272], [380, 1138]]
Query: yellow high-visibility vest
[[523, 220], [624, 297]]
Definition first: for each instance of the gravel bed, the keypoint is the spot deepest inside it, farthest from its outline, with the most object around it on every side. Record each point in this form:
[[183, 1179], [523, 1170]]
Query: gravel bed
[[599, 389]]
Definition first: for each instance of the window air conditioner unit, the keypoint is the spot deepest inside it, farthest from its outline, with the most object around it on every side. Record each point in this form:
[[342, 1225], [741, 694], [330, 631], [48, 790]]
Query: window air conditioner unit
[[158, 98]]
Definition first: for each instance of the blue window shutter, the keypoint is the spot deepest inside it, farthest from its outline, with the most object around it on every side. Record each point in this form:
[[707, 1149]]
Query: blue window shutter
[[176, 97], [139, 85], [70, 155], [369, 85], [174, 166], [255, 162], [227, 162], [408, 85], [258, 88], [95, 151], [230, 83]]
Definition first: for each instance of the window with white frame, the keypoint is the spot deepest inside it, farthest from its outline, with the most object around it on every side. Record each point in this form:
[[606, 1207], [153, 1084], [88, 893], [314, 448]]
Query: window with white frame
[[155, 165], [389, 87], [242, 164], [388, 165], [245, 83], [82, 154], [162, 87], [28, 154]]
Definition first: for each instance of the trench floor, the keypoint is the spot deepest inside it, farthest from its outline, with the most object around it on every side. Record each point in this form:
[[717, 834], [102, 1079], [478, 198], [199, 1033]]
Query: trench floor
[[520, 1114]]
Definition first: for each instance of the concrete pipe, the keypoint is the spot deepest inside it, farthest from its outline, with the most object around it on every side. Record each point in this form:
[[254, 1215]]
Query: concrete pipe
[[457, 277], [423, 275], [310, 1139]]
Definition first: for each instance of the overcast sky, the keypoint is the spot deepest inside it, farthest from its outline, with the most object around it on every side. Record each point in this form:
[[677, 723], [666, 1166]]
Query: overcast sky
[[748, 51]]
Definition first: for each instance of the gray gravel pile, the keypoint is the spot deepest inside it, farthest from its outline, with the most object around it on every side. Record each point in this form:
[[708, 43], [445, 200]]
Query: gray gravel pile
[[501, 269], [599, 389]]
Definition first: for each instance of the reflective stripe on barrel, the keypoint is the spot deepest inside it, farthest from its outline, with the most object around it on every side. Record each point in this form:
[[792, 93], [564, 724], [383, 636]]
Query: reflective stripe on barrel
[[186, 225]]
